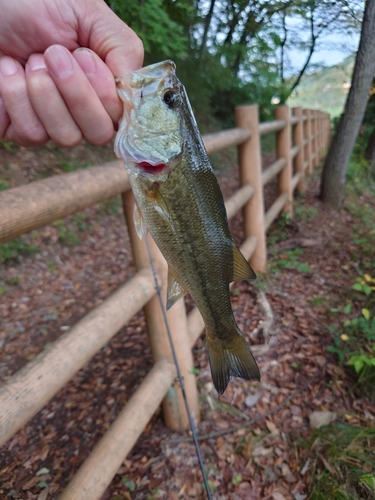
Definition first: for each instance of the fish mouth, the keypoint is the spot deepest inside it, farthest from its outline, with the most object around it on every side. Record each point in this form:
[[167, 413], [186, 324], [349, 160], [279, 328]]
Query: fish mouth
[[149, 169], [153, 168]]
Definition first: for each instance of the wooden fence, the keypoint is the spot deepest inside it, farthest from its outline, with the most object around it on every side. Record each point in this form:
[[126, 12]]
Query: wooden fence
[[301, 140]]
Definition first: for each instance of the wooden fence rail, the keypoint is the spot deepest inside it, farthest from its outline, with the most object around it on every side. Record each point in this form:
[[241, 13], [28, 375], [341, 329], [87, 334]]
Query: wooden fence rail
[[301, 140]]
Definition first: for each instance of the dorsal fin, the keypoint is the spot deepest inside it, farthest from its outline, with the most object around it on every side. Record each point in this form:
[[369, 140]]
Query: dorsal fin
[[241, 268], [174, 290]]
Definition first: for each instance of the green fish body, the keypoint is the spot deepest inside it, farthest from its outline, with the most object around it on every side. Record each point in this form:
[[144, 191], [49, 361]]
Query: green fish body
[[180, 202]]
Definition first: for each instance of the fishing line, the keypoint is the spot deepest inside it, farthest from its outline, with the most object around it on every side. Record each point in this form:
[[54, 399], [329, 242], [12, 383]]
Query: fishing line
[[179, 376]]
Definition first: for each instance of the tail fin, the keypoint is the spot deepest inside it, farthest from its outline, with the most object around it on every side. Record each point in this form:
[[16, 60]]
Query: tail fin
[[233, 361]]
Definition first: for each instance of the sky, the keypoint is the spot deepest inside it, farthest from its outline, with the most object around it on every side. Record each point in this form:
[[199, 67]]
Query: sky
[[333, 49]]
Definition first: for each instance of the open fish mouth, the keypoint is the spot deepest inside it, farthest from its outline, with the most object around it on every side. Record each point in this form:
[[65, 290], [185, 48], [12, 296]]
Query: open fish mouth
[[145, 167]]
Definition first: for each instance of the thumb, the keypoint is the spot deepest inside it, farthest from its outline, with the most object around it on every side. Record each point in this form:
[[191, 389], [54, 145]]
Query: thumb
[[108, 36]]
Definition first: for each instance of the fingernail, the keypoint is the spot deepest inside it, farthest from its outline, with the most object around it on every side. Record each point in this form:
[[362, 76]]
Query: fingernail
[[36, 61], [59, 61], [8, 66], [86, 60]]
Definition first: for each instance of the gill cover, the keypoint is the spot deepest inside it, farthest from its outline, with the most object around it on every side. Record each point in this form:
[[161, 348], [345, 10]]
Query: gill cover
[[150, 130]]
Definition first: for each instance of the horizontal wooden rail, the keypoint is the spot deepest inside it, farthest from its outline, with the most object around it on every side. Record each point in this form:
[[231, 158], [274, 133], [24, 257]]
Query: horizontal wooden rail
[[37, 382], [248, 246], [238, 200], [268, 127], [101, 466], [295, 180], [225, 139], [294, 120], [295, 150], [273, 170], [31, 206], [275, 209], [39, 203]]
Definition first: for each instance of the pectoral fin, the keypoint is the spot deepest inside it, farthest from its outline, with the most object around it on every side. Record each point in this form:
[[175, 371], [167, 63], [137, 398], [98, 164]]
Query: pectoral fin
[[241, 268], [160, 205], [139, 222], [174, 290]]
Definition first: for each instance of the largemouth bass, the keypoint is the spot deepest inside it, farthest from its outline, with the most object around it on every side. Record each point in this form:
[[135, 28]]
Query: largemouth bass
[[179, 200]]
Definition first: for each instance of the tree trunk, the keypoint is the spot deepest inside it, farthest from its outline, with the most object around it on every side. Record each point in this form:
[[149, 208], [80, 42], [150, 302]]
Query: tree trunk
[[207, 23], [336, 162]]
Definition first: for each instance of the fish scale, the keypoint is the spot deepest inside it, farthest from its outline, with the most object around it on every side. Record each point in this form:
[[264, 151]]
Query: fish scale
[[181, 204]]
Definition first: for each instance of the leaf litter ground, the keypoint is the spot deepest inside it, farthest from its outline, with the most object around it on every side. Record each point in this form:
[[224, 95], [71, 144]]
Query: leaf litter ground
[[251, 434]]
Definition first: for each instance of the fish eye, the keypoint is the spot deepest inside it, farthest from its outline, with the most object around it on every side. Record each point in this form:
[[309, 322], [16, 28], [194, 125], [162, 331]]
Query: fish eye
[[171, 98]]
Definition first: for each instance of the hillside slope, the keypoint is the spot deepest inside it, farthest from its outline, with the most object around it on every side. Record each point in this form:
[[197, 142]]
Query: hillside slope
[[325, 89]]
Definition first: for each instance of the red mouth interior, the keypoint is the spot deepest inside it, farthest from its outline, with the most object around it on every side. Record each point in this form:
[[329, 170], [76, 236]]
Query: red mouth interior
[[151, 169]]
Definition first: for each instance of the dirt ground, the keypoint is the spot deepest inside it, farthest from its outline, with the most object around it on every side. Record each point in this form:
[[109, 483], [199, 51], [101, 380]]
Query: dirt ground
[[250, 435]]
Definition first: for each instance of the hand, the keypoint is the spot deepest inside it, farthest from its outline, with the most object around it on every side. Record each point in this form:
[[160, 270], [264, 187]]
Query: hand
[[58, 61]]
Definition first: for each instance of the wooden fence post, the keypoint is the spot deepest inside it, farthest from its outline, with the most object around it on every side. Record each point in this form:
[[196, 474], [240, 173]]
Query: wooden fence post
[[283, 146], [320, 135], [317, 130], [307, 135], [250, 165], [299, 160], [315, 140], [174, 412]]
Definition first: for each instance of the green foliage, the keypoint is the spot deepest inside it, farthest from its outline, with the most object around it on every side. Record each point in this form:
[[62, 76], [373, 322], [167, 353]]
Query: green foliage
[[51, 266], [13, 249], [10, 147], [304, 212], [111, 206], [317, 301], [66, 237], [153, 23], [342, 462], [82, 222], [290, 259], [130, 484], [237, 479], [354, 343]]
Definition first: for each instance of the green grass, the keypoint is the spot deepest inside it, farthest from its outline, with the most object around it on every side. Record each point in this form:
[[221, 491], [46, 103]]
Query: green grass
[[13, 249], [289, 259], [111, 206], [342, 462], [66, 237]]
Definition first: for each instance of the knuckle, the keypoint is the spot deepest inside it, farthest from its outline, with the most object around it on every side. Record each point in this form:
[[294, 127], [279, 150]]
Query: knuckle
[[67, 137], [33, 136], [40, 84], [101, 139], [13, 92], [138, 49]]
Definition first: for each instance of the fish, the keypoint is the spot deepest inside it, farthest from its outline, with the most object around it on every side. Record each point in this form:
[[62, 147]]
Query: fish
[[178, 200]]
